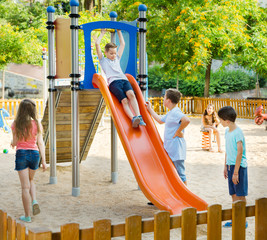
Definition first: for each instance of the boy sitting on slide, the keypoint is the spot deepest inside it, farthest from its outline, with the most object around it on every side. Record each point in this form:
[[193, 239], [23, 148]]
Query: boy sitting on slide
[[117, 81]]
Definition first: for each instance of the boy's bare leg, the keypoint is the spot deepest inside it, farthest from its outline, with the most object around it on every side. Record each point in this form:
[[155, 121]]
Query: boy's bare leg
[[237, 198], [126, 108], [133, 102]]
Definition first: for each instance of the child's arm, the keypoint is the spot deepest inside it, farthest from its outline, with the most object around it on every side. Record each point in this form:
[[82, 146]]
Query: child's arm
[[41, 146], [14, 139], [184, 123], [237, 162], [122, 43], [225, 173], [97, 44], [153, 113]]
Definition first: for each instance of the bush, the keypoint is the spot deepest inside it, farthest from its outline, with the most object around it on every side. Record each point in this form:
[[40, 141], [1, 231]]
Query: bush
[[220, 82]]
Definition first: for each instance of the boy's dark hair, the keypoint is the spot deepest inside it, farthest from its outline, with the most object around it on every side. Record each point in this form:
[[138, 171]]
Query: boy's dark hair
[[110, 45], [227, 113], [173, 94]]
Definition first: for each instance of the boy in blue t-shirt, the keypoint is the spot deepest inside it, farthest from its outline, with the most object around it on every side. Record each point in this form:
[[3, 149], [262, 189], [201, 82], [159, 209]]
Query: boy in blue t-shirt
[[175, 123], [117, 81], [235, 168]]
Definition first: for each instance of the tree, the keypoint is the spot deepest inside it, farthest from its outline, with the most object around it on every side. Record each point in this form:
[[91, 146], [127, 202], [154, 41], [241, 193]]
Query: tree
[[186, 35], [19, 47]]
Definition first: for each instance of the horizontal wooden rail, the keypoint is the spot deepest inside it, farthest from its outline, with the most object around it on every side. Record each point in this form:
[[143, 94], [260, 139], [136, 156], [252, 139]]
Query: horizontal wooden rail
[[245, 108], [160, 225]]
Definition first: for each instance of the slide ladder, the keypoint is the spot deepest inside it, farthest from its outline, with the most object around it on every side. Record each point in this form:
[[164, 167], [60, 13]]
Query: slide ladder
[[91, 108]]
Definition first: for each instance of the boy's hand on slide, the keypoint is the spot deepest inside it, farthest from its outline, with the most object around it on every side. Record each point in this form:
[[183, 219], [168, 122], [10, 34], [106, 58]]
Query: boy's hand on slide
[[148, 105]]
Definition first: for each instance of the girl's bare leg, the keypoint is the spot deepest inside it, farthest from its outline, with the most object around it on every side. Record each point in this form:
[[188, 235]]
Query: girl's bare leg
[[32, 184], [25, 186], [218, 139]]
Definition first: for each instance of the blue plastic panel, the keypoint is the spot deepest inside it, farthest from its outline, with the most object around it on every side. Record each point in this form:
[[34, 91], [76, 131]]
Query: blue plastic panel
[[89, 65]]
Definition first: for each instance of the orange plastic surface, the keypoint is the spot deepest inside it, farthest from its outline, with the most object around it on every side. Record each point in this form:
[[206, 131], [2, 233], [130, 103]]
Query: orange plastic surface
[[152, 167]]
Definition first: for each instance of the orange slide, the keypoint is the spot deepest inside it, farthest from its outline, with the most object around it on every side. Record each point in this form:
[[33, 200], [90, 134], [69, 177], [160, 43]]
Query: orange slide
[[152, 167]]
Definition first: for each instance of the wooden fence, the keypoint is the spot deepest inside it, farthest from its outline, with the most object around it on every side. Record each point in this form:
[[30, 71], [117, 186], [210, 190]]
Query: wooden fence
[[12, 105], [196, 105], [189, 105], [160, 225]]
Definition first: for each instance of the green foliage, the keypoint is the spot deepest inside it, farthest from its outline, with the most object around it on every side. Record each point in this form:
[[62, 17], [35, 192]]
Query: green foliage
[[19, 47], [24, 35], [185, 35], [221, 82]]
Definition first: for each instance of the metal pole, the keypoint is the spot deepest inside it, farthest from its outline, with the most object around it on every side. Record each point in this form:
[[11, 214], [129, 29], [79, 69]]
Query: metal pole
[[142, 48], [74, 5], [51, 90], [44, 57], [114, 140], [3, 85]]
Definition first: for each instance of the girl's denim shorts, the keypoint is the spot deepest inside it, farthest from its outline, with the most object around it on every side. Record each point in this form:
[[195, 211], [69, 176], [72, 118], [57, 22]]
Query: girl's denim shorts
[[27, 159]]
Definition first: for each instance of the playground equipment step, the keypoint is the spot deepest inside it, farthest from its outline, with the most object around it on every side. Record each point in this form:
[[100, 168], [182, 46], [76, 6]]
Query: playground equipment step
[[91, 108]]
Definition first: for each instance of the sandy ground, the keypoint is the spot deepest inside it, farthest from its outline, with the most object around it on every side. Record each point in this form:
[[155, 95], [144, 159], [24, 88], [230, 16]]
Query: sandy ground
[[100, 199]]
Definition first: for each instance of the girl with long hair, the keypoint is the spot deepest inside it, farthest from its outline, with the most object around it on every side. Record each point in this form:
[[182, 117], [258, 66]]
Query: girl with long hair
[[28, 139], [210, 122]]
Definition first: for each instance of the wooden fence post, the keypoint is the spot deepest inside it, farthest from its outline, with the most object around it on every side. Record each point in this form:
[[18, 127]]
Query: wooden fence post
[[70, 231], [133, 228], [11, 228], [239, 220], [21, 232], [214, 222], [261, 219], [3, 225], [39, 235], [102, 230], [162, 225], [189, 224]]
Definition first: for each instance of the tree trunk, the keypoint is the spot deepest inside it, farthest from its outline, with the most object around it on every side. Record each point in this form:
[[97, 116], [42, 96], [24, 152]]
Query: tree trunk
[[99, 6], [89, 4], [177, 83], [207, 80]]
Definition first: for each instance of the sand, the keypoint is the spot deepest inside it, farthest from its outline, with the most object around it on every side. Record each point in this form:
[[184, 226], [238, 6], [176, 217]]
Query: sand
[[101, 199]]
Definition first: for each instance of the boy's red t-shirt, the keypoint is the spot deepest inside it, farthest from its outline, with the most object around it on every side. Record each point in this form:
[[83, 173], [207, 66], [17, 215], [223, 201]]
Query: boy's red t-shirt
[[31, 143]]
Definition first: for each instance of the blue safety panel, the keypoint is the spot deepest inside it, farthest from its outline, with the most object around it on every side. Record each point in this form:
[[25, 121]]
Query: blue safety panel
[[89, 65]]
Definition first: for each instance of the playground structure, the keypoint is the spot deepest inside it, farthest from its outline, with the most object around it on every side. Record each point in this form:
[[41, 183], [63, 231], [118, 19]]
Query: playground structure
[[259, 116], [3, 124], [150, 163], [205, 141]]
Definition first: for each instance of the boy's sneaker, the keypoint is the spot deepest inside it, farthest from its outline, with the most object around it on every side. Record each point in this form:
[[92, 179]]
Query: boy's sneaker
[[25, 219], [142, 123], [35, 208], [135, 122]]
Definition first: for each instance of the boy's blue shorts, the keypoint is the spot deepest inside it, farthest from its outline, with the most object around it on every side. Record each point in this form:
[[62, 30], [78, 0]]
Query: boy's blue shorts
[[119, 88], [27, 159], [240, 189], [179, 165]]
